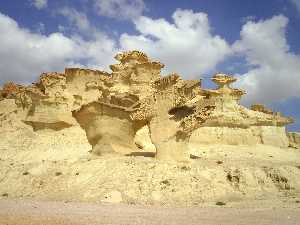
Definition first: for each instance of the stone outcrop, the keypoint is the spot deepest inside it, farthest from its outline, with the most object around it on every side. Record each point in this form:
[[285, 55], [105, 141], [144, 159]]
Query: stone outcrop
[[294, 139], [261, 108], [136, 110]]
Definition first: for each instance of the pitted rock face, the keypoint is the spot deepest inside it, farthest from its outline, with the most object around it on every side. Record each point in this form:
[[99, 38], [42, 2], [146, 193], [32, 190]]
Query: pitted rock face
[[10, 90], [261, 108], [116, 108]]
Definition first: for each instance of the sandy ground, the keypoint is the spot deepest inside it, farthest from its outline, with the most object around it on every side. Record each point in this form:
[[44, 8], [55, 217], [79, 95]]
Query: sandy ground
[[258, 184], [63, 213], [227, 174]]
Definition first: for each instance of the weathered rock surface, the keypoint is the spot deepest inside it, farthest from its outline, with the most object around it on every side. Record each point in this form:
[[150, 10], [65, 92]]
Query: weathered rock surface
[[143, 141], [294, 139]]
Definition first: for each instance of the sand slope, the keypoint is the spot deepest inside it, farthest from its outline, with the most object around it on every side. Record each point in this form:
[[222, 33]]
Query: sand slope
[[217, 173]]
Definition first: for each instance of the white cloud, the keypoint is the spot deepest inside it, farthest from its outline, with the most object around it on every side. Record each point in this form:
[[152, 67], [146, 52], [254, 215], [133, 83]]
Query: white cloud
[[24, 54], [40, 28], [248, 18], [186, 46], [79, 24], [275, 69], [99, 49], [39, 4], [297, 4], [79, 19], [120, 9]]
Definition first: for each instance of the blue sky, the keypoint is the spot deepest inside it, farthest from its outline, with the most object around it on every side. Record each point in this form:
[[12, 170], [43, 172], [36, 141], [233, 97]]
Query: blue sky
[[256, 40]]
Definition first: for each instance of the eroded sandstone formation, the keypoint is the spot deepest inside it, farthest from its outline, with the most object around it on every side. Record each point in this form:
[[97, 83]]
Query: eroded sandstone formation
[[135, 110], [231, 123]]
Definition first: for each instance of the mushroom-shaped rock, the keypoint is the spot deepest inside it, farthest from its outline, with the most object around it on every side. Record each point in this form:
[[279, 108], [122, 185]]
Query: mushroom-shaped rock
[[222, 79], [108, 127]]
